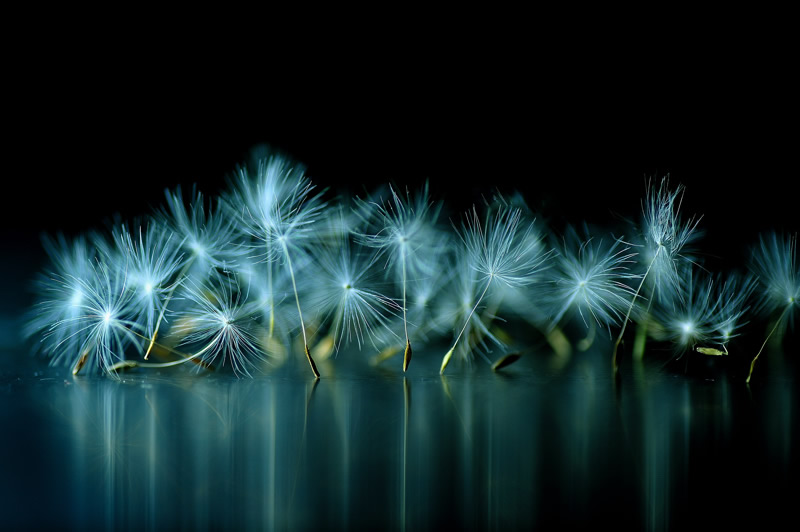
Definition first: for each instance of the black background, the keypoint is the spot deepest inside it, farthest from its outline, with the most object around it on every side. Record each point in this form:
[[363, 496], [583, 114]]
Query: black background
[[91, 135], [579, 141]]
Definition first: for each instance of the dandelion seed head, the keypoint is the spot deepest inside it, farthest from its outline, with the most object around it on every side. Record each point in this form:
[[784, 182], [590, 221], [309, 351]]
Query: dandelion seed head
[[502, 248], [455, 305], [102, 325], [693, 316], [777, 271], [277, 204], [590, 278], [219, 323], [345, 295], [403, 227], [665, 236], [202, 229]]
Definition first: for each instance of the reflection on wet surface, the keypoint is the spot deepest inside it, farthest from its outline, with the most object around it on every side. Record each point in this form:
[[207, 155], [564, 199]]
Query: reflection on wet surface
[[366, 448]]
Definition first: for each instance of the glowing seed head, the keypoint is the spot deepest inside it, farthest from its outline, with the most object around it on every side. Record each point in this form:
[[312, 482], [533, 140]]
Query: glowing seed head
[[197, 248], [107, 318], [148, 287], [76, 299], [687, 327]]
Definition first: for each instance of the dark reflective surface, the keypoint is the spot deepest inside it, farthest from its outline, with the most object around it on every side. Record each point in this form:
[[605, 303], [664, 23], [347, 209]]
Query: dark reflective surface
[[545, 443]]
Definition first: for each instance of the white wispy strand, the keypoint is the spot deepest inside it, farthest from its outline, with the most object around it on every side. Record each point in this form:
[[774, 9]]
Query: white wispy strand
[[60, 296], [275, 203], [778, 273], [401, 227], [732, 305], [273, 299], [276, 213], [665, 235], [152, 272], [207, 237], [689, 318], [454, 310], [500, 250], [218, 323], [776, 268], [104, 325], [345, 294], [405, 231], [591, 278], [428, 288]]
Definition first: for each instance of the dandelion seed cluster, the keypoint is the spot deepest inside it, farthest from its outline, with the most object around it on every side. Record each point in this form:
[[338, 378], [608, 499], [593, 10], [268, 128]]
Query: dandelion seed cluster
[[270, 268]]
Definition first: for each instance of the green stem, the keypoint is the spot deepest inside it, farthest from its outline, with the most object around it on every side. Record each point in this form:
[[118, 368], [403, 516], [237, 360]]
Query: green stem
[[449, 354], [585, 343], [630, 309], [166, 303], [299, 311], [407, 353], [271, 300], [777, 322], [640, 341]]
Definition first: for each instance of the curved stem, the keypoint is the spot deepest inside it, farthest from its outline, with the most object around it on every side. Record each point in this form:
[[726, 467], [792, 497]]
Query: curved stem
[[777, 322], [407, 353], [166, 303], [640, 341], [299, 311], [630, 309], [185, 356], [585, 343], [405, 322], [271, 299], [446, 359], [135, 364]]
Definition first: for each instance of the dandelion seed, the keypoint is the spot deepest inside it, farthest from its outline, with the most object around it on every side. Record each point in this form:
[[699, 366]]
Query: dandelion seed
[[403, 228], [776, 269], [688, 318], [665, 236], [206, 238], [103, 324], [60, 296], [455, 307], [221, 325], [270, 294], [345, 293], [590, 278], [498, 251], [152, 272], [205, 233], [279, 212], [731, 307]]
